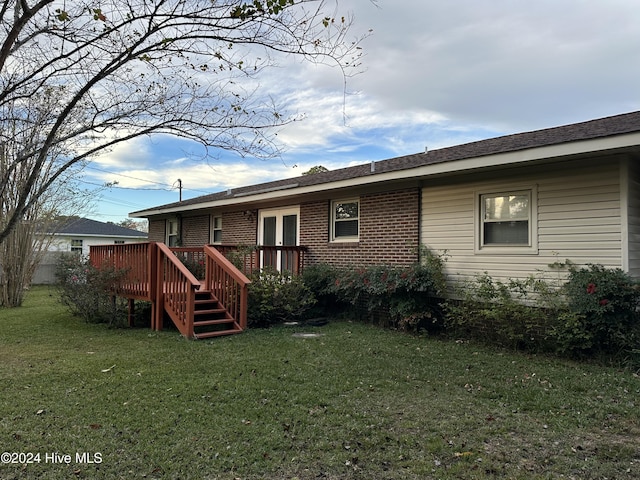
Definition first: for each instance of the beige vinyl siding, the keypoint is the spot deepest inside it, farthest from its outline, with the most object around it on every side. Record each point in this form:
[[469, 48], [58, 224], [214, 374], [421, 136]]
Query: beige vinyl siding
[[633, 214], [578, 218]]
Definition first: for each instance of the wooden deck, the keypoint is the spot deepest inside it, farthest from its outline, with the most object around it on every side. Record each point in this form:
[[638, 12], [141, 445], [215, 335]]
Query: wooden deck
[[199, 289], [200, 308]]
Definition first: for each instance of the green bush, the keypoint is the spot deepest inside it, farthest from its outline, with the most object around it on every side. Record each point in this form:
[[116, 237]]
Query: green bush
[[516, 314], [602, 316], [87, 291], [241, 257], [277, 297], [195, 264], [404, 297], [594, 312], [319, 278]]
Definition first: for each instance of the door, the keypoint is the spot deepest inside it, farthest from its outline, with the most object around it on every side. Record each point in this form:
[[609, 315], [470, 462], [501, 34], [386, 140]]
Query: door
[[278, 228]]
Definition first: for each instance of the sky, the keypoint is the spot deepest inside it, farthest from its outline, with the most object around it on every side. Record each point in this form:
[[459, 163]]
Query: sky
[[434, 73]]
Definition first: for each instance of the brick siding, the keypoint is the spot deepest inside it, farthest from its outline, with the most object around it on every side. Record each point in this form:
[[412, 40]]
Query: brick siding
[[157, 230], [389, 231], [240, 228], [195, 231]]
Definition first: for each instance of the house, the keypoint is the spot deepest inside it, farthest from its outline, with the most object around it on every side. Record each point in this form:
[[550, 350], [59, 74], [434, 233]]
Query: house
[[508, 206], [76, 234]]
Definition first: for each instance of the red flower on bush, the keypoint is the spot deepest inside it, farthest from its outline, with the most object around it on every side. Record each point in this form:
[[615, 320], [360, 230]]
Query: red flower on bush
[[604, 301], [337, 282], [591, 288]]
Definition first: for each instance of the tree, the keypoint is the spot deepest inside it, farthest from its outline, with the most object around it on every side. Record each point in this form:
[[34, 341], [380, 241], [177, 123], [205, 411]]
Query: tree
[[316, 169], [115, 70], [24, 246], [140, 225]]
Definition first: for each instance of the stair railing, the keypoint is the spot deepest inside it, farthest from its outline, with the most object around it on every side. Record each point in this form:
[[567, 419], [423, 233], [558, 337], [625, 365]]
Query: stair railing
[[176, 289], [228, 284]]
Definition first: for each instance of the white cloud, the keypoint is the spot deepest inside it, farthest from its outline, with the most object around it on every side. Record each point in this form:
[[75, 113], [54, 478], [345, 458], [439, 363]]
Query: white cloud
[[436, 73], [502, 63]]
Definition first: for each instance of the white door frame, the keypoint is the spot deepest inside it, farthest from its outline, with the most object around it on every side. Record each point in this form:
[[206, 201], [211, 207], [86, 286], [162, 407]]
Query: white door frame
[[279, 213]]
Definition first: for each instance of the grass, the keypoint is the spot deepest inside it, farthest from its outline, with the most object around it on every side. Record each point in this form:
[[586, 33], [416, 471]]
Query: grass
[[357, 402]]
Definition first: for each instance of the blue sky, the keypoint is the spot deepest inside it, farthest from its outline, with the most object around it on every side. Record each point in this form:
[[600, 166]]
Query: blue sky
[[435, 73]]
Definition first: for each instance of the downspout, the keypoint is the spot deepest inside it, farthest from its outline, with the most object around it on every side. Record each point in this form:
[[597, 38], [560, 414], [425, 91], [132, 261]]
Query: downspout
[[624, 212], [420, 187]]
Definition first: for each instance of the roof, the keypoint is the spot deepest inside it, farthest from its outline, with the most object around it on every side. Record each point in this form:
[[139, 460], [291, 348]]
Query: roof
[[87, 227], [589, 130]]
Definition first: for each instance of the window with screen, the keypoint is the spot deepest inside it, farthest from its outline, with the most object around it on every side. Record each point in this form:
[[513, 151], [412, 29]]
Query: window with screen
[[345, 220]]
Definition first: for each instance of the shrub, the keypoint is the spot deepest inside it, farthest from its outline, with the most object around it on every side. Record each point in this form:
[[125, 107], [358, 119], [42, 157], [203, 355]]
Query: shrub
[[277, 297], [195, 264], [603, 313], [404, 297], [241, 257], [87, 291], [516, 314], [319, 278]]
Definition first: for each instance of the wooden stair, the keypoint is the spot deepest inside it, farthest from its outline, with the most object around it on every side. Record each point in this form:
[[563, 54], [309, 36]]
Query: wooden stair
[[210, 318]]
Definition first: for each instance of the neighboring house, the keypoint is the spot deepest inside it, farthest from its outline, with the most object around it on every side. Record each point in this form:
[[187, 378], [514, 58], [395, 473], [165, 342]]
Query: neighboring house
[[75, 234], [508, 206]]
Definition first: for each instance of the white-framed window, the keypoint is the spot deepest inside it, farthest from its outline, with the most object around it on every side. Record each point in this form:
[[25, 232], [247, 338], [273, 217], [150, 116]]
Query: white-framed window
[[173, 232], [216, 229], [76, 245], [507, 221], [345, 220]]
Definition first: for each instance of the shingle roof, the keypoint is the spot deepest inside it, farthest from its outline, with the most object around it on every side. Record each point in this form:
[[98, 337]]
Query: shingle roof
[[593, 129], [86, 226]]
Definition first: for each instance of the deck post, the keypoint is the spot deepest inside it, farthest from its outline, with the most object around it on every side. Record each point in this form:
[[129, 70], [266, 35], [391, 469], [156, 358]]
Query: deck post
[[158, 284]]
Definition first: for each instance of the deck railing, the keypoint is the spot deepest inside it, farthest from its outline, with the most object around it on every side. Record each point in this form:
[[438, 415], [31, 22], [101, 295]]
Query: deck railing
[[227, 284], [177, 291], [170, 277], [193, 258], [280, 257], [135, 260]]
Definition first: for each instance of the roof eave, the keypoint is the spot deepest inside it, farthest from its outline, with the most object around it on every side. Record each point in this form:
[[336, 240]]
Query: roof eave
[[567, 149], [78, 234]]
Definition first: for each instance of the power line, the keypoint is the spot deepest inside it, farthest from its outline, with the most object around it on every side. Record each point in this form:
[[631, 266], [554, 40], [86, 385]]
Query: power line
[[171, 187], [129, 176], [126, 188]]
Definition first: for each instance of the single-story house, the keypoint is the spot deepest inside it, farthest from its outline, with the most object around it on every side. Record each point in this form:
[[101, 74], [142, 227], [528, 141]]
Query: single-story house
[[77, 234], [508, 206]]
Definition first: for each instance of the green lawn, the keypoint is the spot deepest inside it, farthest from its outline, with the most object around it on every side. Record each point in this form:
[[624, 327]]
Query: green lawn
[[356, 402]]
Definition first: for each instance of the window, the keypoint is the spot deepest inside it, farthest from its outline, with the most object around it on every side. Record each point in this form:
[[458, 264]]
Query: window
[[345, 220], [76, 246], [173, 237], [216, 229], [507, 221]]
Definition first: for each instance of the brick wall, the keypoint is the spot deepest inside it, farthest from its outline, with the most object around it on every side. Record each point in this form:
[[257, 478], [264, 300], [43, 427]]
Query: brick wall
[[156, 231], [195, 231], [389, 231], [240, 228]]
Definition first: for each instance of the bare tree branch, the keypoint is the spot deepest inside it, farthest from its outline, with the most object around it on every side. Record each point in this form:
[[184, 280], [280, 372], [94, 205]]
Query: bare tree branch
[[119, 69]]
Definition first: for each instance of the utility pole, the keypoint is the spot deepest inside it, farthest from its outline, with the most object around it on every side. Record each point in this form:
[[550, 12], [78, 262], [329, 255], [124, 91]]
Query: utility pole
[[180, 188]]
